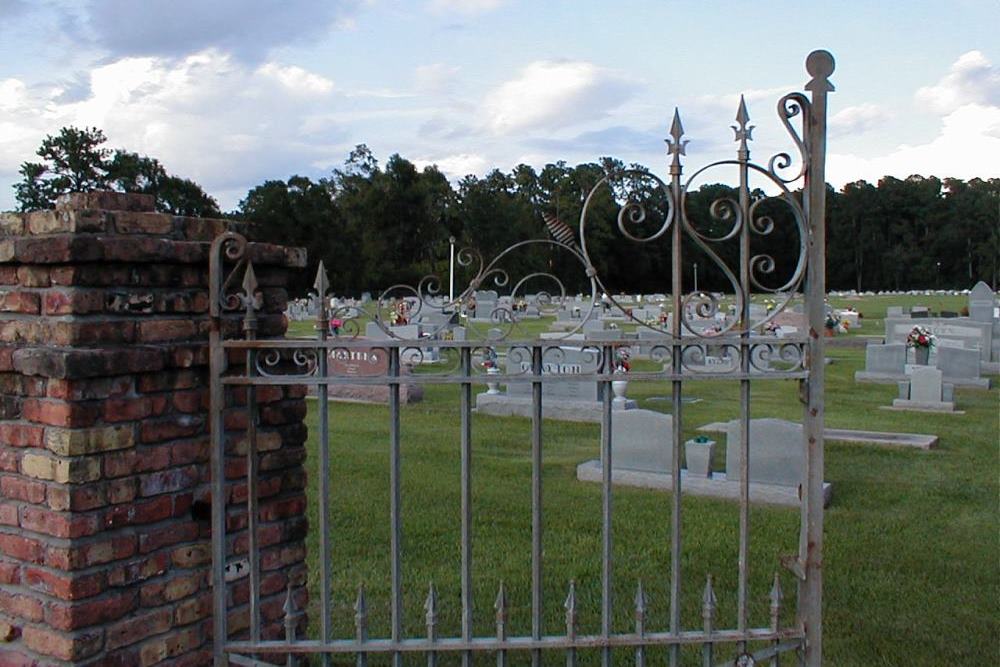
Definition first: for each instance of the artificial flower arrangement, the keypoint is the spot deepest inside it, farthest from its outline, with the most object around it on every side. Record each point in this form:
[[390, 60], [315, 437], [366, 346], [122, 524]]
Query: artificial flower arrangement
[[489, 358], [623, 360], [920, 337], [770, 304]]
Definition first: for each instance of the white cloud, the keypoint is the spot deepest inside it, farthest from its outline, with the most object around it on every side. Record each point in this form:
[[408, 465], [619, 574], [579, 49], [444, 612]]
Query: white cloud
[[465, 6], [966, 148], [554, 94], [456, 166], [207, 117], [968, 99], [857, 119], [434, 79], [296, 79], [972, 79]]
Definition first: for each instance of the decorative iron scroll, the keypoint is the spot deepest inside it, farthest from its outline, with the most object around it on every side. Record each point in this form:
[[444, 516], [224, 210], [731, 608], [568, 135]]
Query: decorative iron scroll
[[742, 217]]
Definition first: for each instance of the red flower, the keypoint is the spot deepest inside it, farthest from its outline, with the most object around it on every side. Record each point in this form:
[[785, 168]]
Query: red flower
[[922, 340]]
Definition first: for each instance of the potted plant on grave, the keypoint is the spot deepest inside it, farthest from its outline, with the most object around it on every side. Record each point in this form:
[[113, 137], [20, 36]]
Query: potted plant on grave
[[490, 364], [623, 364], [921, 340]]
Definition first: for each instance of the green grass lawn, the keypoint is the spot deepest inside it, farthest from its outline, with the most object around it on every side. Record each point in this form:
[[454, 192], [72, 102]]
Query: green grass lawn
[[912, 537]]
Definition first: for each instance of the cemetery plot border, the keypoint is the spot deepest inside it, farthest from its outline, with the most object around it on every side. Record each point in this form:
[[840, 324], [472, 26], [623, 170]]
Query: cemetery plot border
[[265, 364]]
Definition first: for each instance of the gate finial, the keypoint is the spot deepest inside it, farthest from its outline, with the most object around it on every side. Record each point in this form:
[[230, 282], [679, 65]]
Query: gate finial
[[500, 605], [430, 609], [743, 131], [675, 146], [570, 606], [820, 65]]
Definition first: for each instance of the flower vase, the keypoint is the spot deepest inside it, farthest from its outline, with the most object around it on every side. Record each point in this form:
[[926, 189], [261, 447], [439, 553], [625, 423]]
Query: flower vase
[[698, 457], [921, 354], [618, 389], [493, 388]]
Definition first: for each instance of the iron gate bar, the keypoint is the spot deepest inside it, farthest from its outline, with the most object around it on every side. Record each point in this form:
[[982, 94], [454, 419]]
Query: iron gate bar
[[266, 364], [536, 501], [454, 644]]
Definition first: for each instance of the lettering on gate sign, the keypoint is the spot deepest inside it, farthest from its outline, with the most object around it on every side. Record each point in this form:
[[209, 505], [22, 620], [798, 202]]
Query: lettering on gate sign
[[559, 369], [358, 362]]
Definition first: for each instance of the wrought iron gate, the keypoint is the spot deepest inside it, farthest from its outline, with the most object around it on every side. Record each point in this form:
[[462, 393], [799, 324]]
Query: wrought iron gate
[[677, 353]]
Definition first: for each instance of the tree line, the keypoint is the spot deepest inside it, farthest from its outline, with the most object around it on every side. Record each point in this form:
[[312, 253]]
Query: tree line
[[377, 225]]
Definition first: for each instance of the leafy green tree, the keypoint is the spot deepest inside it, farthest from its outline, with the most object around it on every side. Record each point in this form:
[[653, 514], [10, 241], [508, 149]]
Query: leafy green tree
[[75, 161]]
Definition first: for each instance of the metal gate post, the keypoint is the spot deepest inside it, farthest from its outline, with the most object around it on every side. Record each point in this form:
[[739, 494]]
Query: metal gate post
[[820, 65]]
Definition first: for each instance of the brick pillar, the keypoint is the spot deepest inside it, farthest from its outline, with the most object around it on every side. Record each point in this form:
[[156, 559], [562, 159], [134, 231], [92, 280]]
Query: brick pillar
[[104, 516]]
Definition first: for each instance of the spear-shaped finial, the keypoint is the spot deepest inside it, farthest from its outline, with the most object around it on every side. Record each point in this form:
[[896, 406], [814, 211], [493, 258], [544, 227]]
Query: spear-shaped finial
[[500, 606], [321, 286], [430, 612], [708, 604], [322, 283], [640, 610], [249, 286], [291, 616], [776, 596], [570, 606], [743, 131], [361, 615], [675, 146]]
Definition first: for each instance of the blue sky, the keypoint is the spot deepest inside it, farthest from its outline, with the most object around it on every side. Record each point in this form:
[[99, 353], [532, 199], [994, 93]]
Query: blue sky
[[234, 92]]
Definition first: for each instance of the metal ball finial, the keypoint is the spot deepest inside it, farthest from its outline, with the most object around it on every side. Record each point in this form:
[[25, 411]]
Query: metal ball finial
[[820, 64]]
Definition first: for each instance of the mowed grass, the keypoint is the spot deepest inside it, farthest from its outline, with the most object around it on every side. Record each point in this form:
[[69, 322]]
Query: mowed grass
[[911, 541]]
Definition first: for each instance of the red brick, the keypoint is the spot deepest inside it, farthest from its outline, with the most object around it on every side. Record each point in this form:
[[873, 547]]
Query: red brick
[[192, 555], [132, 630], [10, 572], [168, 481], [19, 302], [66, 586], [8, 514], [282, 509], [23, 607], [133, 572], [151, 540], [166, 381], [127, 409], [89, 389], [21, 434], [59, 413], [149, 511], [171, 428], [169, 646], [19, 488], [62, 646], [194, 609], [190, 451], [92, 553], [33, 276], [194, 400], [156, 331], [58, 524], [73, 302], [78, 615], [134, 461], [22, 548], [9, 460]]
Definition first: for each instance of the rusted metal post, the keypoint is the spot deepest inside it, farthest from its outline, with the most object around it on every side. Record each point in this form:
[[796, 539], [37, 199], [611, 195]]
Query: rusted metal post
[[820, 65]]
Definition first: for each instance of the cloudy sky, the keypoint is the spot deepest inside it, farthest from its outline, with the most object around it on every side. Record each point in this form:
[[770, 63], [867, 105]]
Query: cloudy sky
[[234, 92]]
